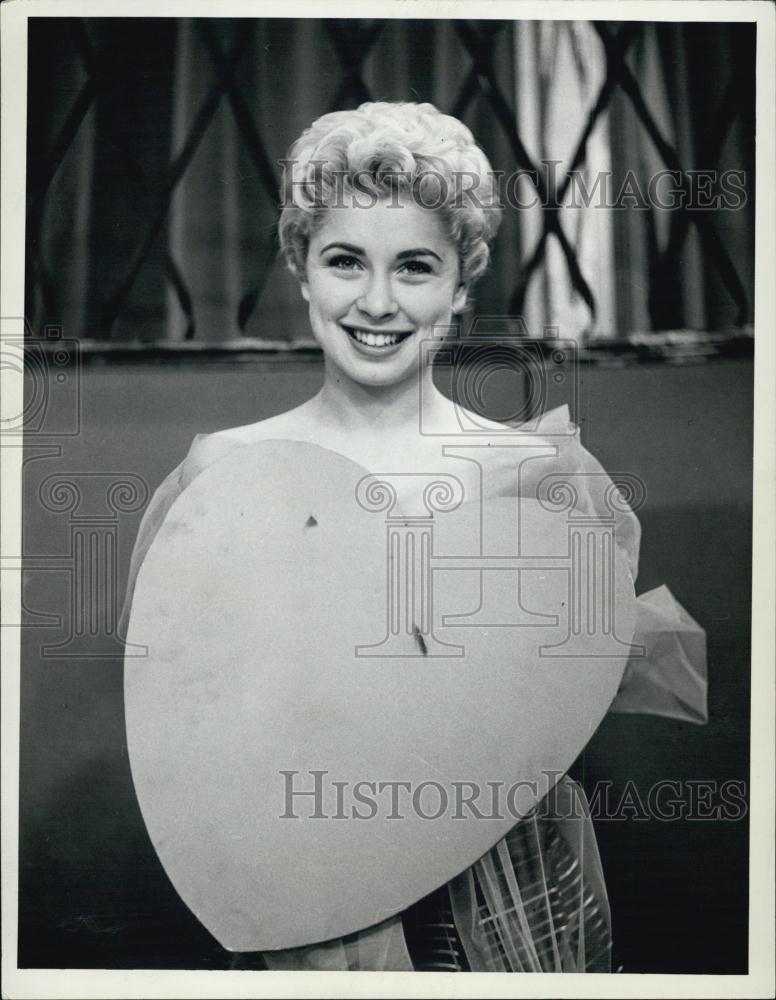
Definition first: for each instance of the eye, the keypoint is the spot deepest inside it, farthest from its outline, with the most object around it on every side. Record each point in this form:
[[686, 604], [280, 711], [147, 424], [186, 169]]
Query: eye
[[416, 267], [344, 262]]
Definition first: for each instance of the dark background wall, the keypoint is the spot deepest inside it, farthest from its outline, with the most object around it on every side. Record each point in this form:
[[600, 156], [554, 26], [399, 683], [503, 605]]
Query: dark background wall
[[92, 892]]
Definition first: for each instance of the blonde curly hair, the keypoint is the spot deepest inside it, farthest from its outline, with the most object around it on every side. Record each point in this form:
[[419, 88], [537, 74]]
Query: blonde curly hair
[[381, 148]]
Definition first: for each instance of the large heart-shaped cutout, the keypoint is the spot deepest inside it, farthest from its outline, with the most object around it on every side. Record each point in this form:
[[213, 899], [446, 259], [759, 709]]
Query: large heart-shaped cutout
[[303, 637]]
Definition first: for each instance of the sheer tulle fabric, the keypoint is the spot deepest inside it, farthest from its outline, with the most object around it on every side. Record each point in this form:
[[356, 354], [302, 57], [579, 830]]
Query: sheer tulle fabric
[[536, 902]]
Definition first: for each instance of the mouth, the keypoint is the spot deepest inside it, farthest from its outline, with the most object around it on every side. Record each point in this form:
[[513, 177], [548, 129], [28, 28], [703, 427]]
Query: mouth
[[376, 342]]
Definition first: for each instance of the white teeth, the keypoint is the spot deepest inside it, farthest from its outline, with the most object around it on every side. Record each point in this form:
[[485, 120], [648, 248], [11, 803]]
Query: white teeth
[[375, 339]]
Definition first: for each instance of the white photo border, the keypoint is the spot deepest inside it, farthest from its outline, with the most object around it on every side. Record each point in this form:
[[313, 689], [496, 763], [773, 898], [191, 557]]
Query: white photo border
[[87, 983]]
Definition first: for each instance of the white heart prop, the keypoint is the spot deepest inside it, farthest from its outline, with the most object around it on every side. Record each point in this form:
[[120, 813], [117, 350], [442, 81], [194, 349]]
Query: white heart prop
[[299, 641]]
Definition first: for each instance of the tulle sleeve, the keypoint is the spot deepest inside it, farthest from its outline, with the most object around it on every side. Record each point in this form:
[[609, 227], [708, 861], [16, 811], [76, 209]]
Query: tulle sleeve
[[153, 516], [670, 678]]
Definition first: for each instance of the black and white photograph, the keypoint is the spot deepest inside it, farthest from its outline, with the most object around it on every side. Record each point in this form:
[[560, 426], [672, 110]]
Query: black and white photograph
[[387, 458]]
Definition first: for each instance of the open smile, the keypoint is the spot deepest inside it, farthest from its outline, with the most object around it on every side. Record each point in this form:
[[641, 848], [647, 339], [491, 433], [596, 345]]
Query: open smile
[[376, 341]]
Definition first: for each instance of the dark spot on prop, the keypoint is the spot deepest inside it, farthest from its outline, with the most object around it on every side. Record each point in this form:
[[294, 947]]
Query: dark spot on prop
[[419, 639], [310, 522]]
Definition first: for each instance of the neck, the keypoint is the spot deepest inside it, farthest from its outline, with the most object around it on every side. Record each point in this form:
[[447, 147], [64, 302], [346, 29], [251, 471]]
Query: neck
[[354, 407]]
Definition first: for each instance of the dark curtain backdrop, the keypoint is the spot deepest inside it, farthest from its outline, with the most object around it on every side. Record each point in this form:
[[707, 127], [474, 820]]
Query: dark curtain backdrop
[[154, 148]]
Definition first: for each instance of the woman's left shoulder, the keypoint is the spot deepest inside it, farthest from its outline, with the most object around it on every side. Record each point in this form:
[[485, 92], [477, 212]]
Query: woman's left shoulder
[[549, 433], [206, 449]]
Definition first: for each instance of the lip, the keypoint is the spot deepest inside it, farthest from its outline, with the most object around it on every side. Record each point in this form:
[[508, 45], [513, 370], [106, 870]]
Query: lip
[[375, 352]]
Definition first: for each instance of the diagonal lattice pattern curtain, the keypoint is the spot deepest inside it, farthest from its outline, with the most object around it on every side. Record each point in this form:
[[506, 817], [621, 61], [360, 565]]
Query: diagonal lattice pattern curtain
[[154, 146], [560, 69]]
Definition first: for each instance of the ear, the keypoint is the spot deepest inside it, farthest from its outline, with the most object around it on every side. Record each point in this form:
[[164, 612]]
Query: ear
[[301, 277], [460, 298]]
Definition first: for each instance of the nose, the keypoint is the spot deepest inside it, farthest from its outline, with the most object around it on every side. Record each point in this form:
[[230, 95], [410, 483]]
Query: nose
[[377, 300]]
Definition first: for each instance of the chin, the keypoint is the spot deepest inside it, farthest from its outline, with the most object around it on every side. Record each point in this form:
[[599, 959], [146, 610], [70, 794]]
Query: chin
[[380, 372], [385, 377]]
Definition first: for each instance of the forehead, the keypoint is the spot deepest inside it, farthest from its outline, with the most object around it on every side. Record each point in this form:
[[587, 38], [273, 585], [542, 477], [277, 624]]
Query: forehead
[[385, 227]]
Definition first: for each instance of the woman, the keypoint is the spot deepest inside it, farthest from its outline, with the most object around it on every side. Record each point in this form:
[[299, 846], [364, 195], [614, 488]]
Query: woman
[[387, 222], [381, 273]]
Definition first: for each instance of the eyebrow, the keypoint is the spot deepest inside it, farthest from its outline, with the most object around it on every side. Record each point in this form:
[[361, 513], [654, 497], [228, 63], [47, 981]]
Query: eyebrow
[[404, 255], [343, 246], [418, 252]]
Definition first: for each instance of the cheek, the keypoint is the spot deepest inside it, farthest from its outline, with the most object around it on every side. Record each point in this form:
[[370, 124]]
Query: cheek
[[328, 296], [428, 306]]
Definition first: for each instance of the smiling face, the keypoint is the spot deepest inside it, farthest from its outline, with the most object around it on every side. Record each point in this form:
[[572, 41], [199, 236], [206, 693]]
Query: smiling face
[[379, 280]]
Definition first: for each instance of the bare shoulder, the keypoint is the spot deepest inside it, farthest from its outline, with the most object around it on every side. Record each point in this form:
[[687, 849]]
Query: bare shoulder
[[293, 425], [209, 448], [205, 450], [511, 455], [471, 427]]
